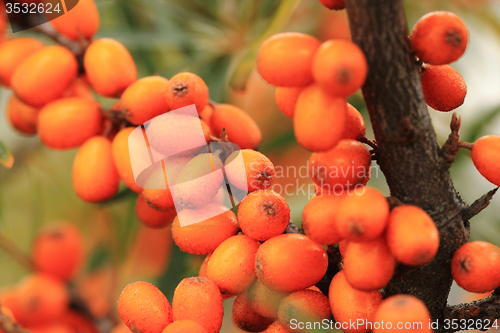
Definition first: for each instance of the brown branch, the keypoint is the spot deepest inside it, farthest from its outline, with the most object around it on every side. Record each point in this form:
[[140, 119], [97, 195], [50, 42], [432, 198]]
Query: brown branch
[[15, 253], [466, 145], [450, 148], [371, 143], [477, 206]]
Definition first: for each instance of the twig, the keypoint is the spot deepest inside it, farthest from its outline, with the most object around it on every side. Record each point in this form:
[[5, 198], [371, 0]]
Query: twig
[[371, 143], [466, 145], [450, 148], [477, 206], [18, 255]]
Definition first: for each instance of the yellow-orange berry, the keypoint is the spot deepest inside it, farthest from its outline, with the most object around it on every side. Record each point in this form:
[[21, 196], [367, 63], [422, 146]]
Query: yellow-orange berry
[[184, 326], [343, 247], [285, 59], [109, 66], [143, 307], [439, 38], [95, 178], [22, 117], [185, 89], [402, 312], [151, 217], [304, 306], [79, 88], [319, 219], [245, 317], [264, 300], [476, 266], [81, 22], [444, 88], [206, 114], [121, 156], [12, 53], [286, 99], [258, 172], [355, 127], [333, 4], [486, 157], [45, 75], [412, 235], [276, 327]]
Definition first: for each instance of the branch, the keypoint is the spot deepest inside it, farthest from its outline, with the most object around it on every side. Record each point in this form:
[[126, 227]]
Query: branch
[[450, 148], [477, 206]]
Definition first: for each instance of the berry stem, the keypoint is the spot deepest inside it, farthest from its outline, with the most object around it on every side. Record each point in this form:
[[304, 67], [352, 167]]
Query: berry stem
[[466, 145]]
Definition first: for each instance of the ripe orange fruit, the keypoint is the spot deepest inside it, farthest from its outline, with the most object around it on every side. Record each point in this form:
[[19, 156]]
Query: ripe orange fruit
[[245, 317], [355, 127], [319, 219], [444, 88], [286, 99], [304, 306], [12, 53], [333, 4], [265, 301], [285, 59], [185, 89], [402, 312], [276, 327], [22, 117], [184, 326], [121, 156], [258, 172], [80, 88], [486, 156], [151, 217], [81, 22]]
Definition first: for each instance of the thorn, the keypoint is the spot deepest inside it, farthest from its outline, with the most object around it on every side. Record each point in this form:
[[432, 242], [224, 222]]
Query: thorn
[[450, 148], [477, 206]]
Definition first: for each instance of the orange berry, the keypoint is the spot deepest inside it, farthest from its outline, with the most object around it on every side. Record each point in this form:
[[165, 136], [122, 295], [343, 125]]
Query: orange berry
[[304, 306], [285, 59], [343, 247], [203, 268], [185, 89], [412, 235], [205, 236], [69, 122], [22, 117], [276, 327], [319, 119], [109, 66], [143, 307], [145, 99], [45, 75], [245, 317], [120, 328], [81, 22], [151, 217], [121, 156], [333, 4], [355, 127], [184, 326], [444, 88], [476, 267], [290, 262], [369, 265], [79, 88], [231, 265], [95, 178], [352, 305], [265, 301], [342, 167], [402, 312], [363, 216], [206, 114], [51, 328], [319, 219], [257, 175], [198, 299], [263, 214], [439, 38], [13, 52], [486, 156], [58, 251], [240, 128], [286, 99]]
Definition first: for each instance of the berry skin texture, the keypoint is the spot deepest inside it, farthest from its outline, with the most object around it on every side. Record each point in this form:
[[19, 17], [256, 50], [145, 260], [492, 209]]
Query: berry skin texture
[[121, 156], [152, 218], [185, 89], [44, 76], [69, 122], [290, 262], [109, 66], [82, 21], [340, 67], [184, 326], [444, 88], [355, 127], [439, 38], [368, 265], [285, 59], [199, 299], [412, 235], [144, 307], [12, 53], [349, 304], [257, 175], [286, 99], [58, 251], [476, 267], [405, 309], [145, 99], [363, 216], [319, 219], [245, 317], [263, 214], [333, 4], [319, 119], [22, 117], [304, 306], [265, 301], [486, 157], [95, 178]]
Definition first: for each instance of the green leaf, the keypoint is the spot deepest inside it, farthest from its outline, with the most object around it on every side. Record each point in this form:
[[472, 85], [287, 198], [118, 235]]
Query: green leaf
[[6, 157]]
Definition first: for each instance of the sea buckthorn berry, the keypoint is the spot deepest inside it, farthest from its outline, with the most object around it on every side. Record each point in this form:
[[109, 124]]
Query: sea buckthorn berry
[[95, 178], [355, 127], [265, 301], [363, 216], [240, 128], [232, 264], [304, 306], [285, 59], [258, 173], [403, 309], [145, 99], [121, 156], [486, 156], [290, 262], [199, 299], [51, 328], [444, 88], [203, 268], [350, 305], [286, 99], [369, 265], [69, 122], [342, 167], [476, 267], [276, 327], [439, 38], [185, 89], [333, 4], [205, 236], [319, 119], [245, 317], [109, 66], [343, 247], [81, 22], [44, 75], [184, 326], [412, 236], [340, 67], [151, 217], [12, 53], [206, 114], [79, 88], [143, 307], [58, 251], [319, 219], [22, 117]]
